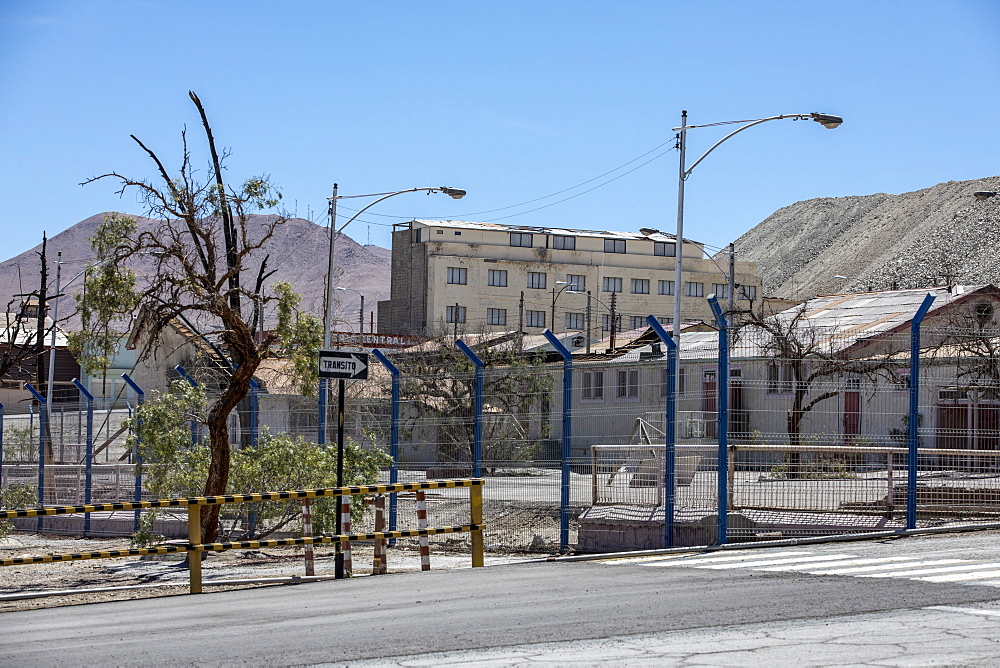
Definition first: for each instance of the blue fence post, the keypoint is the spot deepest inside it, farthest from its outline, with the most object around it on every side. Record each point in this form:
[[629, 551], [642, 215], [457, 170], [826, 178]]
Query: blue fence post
[[669, 434], [194, 423], [722, 393], [914, 414], [477, 425], [324, 390], [393, 437], [254, 413], [567, 437], [140, 397], [42, 425], [88, 481]]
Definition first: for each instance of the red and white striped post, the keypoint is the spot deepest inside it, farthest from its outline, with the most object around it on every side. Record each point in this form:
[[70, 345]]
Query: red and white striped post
[[345, 525], [380, 567], [425, 548], [307, 532]]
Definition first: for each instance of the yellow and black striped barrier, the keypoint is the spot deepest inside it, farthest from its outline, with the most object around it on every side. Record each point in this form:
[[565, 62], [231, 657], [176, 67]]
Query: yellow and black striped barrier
[[193, 504], [242, 498]]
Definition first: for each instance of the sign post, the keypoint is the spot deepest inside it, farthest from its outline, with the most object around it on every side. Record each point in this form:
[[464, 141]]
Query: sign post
[[343, 366]]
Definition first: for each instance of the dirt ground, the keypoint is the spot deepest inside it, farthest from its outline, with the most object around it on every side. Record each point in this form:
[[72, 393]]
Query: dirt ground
[[89, 581]]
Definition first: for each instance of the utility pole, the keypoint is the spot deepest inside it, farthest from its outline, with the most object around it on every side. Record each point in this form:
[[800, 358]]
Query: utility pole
[[732, 279], [455, 320], [552, 323], [42, 308], [520, 318], [361, 319], [614, 319], [588, 322]]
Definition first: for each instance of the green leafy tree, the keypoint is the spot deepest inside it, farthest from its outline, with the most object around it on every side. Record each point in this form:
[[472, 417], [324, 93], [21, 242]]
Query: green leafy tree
[[203, 241], [301, 337], [172, 467]]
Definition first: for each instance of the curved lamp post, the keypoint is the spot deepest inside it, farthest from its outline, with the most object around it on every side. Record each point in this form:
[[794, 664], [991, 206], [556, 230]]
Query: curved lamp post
[[454, 193], [826, 120]]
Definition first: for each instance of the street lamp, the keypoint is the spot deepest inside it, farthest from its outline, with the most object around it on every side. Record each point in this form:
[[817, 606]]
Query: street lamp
[[361, 316], [454, 193], [555, 296], [826, 120]]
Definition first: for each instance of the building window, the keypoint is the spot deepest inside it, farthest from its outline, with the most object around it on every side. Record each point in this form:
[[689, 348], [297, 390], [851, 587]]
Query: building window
[[593, 386], [665, 248], [628, 384], [748, 292], [535, 318], [536, 279], [666, 287], [496, 316], [417, 236], [612, 284], [721, 290], [606, 322], [665, 381], [614, 245], [640, 286], [637, 322], [574, 321], [455, 314], [521, 239], [563, 243], [693, 289], [497, 278], [577, 282], [457, 275], [779, 378]]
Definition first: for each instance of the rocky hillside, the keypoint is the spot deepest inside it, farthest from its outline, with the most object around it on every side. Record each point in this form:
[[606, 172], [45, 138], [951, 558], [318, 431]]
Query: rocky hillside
[[298, 252], [879, 241]]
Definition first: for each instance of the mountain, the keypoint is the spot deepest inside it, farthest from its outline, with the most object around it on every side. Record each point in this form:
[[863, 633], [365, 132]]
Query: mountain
[[298, 252], [913, 240]]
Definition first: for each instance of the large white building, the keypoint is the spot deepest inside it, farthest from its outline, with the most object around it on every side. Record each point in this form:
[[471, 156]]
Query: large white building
[[470, 277]]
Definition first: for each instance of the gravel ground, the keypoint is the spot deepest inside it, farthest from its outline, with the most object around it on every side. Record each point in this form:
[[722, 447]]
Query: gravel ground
[[165, 575]]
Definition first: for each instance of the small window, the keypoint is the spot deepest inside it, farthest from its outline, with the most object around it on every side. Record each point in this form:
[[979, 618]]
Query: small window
[[593, 386], [612, 284], [496, 316], [497, 278], [418, 237], [637, 322], [606, 322], [560, 242], [574, 321], [665, 248], [535, 318], [536, 280], [628, 384], [748, 292], [693, 289], [721, 290], [665, 287], [614, 245], [779, 378], [984, 311], [576, 282], [665, 381], [457, 275], [455, 314], [640, 286], [520, 239]]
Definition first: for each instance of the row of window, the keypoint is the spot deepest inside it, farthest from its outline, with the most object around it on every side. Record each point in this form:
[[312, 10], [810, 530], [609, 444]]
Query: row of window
[[573, 321], [626, 384], [563, 242], [538, 280]]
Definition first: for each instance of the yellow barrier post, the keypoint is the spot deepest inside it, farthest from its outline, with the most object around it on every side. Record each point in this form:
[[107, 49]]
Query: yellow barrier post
[[194, 557], [476, 519]]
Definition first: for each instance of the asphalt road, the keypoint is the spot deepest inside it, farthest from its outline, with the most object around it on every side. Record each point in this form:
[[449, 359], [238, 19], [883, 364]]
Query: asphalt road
[[484, 613]]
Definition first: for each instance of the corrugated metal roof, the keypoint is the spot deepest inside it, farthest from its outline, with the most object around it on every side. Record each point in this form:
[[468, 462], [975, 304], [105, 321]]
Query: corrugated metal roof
[[496, 227]]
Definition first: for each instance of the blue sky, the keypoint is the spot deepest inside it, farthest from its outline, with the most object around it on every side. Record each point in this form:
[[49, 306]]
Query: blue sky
[[512, 101]]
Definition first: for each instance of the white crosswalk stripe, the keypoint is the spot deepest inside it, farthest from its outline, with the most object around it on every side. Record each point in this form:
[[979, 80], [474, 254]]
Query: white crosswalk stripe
[[924, 569]]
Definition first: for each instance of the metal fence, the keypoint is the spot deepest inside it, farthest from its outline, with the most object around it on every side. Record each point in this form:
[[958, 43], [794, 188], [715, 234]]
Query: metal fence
[[819, 433]]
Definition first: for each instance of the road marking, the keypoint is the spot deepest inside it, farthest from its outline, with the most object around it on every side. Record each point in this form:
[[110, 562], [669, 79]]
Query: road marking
[[911, 563], [817, 567], [962, 577], [930, 571], [775, 562], [698, 560], [966, 611]]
